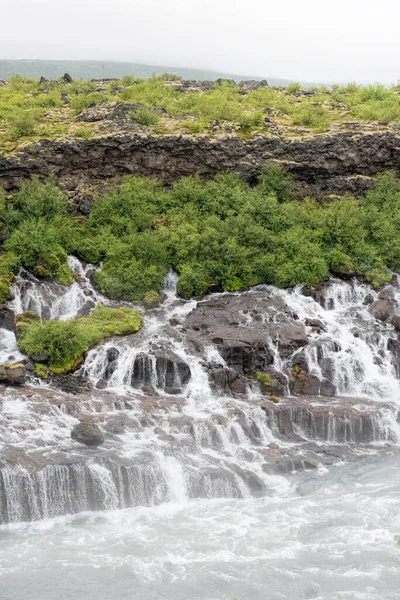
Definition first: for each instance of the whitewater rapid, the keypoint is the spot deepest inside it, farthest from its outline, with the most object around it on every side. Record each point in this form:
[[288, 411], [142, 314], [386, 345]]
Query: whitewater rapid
[[197, 494]]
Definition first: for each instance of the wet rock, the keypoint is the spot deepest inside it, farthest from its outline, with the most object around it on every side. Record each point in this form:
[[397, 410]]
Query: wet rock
[[327, 388], [238, 387], [40, 358], [244, 328], [369, 298], [149, 390], [171, 369], [86, 309], [101, 384], [71, 384], [174, 391], [396, 322], [13, 373], [315, 324], [7, 318], [383, 309], [387, 293], [88, 433]]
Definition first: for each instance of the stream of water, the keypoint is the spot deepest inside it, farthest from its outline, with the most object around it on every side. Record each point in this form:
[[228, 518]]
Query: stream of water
[[181, 502]]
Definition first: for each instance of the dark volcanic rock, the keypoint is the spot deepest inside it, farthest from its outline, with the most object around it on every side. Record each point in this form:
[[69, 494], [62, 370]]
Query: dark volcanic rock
[[71, 384], [166, 367], [88, 433], [7, 318], [240, 328], [321, 164]]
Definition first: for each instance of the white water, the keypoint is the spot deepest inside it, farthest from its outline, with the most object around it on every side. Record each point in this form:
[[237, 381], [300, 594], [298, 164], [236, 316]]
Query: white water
[[185, 506]]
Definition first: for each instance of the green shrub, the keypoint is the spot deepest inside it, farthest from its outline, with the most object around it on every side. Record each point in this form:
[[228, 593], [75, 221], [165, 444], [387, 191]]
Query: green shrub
[[144, 116], [22, 126], [293, 87], [196, 126], [65, 342], [38, 199]]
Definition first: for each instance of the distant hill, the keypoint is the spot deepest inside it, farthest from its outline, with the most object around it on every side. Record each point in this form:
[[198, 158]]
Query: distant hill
[[88, 69]]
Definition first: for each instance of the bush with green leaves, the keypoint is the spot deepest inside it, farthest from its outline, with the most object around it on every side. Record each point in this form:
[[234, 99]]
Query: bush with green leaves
[[219, 234]]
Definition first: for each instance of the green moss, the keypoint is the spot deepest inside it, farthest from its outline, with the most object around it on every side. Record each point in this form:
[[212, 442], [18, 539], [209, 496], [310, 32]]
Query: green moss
[[151, 297], [341, 263], [41, 272], [263, 378], [41, 371], [65, 342]]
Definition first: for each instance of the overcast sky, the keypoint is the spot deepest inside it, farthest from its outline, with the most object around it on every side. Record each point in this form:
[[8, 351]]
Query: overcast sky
[[312, 40]]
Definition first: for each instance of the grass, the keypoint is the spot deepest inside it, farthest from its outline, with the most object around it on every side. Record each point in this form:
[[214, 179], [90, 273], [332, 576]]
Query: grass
[[61, 344], [30, 111]]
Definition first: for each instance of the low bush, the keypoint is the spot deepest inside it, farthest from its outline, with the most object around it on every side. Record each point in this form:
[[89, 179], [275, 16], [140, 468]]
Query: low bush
[[144, 116]]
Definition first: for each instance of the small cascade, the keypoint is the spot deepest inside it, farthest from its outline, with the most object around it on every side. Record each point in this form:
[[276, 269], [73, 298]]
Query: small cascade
[[354, 349], [52, 300]]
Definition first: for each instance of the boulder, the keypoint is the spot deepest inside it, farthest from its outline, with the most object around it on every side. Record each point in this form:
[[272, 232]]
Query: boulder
[[88, 433], [383, 309], [13, 373], [396, 322]]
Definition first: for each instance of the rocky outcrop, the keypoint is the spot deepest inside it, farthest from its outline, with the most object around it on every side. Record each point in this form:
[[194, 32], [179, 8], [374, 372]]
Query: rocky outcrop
[[331, 163]]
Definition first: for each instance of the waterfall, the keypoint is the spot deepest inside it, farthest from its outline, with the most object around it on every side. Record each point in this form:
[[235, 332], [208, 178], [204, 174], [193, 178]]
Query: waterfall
[[171, 436]]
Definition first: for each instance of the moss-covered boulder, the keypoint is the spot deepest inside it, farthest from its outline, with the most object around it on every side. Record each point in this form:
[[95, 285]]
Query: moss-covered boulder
[[63, 343], [13, 373], [342, 265]]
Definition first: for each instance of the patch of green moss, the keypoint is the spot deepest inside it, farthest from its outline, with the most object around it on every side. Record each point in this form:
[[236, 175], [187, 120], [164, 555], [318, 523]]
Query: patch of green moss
[[341, 263], [65, 342], [151, 297], [263, 378], [41, 371]]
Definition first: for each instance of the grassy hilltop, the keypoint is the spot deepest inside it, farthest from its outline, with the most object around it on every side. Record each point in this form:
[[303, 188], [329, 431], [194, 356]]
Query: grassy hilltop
[[164, 104]]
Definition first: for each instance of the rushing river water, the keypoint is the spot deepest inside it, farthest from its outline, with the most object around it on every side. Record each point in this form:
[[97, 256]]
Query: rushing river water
[[184, 502], [322, 536]]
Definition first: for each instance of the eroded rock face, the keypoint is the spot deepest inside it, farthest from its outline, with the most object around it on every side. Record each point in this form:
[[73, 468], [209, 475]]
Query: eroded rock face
[[247, 330], [322, 164]]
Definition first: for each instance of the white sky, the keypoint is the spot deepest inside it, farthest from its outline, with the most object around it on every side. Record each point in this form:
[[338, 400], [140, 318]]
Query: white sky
[[313, 40]]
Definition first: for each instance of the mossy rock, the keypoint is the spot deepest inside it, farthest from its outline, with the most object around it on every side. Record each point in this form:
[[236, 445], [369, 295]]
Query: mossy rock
[[151, 298], [41, 371], [342, 265], [65, 342]]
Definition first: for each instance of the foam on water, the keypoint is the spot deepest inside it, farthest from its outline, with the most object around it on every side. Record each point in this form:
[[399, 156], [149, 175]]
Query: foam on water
[[198, 514]]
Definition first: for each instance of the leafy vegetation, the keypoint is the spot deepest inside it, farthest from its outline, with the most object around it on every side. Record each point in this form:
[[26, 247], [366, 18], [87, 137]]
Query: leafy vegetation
[[32, 110], [62, 343], [220, 234]]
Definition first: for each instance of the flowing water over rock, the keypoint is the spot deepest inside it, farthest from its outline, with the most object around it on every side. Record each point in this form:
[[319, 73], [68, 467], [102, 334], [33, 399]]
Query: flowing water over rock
[[207, 486]]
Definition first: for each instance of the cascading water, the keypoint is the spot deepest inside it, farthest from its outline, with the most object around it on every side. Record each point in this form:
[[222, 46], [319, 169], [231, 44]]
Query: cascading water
[[182, 461]]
